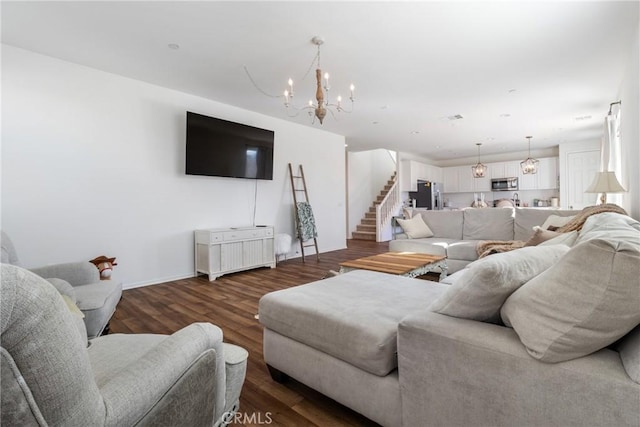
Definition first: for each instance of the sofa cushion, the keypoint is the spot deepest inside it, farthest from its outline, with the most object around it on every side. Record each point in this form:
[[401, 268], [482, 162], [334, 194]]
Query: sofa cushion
[[540, 236], [609, 225], [629, 349], [353, 317], [446, 224], [567, 239], [430, 245], [527, 218], [98, 302], [488, 282], [553, 222], [586, 301], [463, 250], [488, 224], [415, 228]]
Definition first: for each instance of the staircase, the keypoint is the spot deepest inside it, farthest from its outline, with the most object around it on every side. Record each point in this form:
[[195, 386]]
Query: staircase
[[366, 230]]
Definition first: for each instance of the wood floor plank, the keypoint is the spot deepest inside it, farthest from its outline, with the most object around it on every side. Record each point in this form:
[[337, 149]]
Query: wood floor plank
[[231, 302]]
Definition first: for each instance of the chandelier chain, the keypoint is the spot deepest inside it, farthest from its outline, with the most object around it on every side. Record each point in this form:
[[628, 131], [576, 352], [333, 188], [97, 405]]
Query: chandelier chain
[[246, 70], [317, 57]]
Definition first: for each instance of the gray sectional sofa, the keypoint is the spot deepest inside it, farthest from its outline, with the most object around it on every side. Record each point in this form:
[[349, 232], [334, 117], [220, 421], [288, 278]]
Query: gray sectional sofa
[[456, 233], [571, 355]]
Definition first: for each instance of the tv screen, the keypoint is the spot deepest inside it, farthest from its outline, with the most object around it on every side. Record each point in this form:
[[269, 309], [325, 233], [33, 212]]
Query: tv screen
[[217, 147]]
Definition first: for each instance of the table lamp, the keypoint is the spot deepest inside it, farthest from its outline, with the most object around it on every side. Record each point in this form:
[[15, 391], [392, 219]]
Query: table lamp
[[605, 182]]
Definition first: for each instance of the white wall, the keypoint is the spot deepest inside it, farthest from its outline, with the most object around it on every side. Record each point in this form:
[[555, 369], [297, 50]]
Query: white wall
[[629, 94], [93, 164], [368, 173]]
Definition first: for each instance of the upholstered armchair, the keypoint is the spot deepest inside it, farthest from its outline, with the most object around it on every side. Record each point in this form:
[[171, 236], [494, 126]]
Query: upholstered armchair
[[51, 374], [81, 282]]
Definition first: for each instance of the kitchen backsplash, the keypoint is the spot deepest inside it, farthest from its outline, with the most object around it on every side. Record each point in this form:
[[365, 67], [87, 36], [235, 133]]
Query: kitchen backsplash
[[526, 197]]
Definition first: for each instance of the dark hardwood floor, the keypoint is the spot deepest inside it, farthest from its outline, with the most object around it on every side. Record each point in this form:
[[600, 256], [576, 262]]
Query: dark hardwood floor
[[231, 302]]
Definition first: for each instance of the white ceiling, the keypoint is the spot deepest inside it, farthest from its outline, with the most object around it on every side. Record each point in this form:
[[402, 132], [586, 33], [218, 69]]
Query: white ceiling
[[413, 63]]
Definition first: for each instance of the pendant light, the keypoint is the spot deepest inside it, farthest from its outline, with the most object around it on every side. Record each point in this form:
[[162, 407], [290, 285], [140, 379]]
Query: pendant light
[[479, 170], [529, 166]]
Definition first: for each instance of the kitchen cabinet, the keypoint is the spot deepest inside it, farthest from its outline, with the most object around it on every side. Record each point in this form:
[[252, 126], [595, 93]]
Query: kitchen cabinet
[[548, 173], [545, 179], [411, 171], [450, 180], [459, 179]]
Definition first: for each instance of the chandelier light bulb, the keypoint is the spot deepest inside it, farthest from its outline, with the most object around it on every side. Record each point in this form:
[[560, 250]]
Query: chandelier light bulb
[[310, 103]]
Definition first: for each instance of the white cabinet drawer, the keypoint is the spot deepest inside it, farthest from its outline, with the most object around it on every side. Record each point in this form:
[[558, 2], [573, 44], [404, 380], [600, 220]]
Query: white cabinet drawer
[[243, 234], [205, 237]]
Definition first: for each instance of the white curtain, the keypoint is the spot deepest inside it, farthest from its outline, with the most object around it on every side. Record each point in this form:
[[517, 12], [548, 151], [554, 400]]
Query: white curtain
[[611, 152]]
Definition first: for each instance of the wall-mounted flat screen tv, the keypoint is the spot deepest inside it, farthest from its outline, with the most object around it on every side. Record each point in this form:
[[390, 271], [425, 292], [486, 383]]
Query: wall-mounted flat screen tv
[[217, 147]]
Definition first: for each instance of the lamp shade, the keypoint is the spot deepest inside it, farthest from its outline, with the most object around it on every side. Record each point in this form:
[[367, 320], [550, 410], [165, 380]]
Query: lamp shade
[[605, 182]]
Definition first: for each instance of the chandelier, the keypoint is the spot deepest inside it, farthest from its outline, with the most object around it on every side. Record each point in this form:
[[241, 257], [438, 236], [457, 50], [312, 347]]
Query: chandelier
[[321, 106], [530, 165], [479, 170]]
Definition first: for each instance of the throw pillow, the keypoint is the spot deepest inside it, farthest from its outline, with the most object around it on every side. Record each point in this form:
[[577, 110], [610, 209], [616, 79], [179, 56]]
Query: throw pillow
[[610, 225], [555, 221], [586, 301], [541, 235], [567, 239], [415, 228], [488, 282]]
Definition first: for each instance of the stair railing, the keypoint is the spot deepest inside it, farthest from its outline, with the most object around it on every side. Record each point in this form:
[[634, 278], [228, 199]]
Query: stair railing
[[385, 211]]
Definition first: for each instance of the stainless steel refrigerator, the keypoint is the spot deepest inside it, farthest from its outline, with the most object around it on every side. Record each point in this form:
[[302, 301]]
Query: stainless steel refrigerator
[[429, 195]]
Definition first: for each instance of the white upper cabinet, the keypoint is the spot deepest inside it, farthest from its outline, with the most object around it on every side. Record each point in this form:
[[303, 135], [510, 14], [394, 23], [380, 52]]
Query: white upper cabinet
[[466, 180], [548, 173], [511, 169], [545, 179], [411, 171], [459, 179], [450, 180]]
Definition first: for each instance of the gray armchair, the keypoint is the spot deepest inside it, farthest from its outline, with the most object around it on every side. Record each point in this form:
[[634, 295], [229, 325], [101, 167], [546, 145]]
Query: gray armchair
[[51, 374], [81, 282]]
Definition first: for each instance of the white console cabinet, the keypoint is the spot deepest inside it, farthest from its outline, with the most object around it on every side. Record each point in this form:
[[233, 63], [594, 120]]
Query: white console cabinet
[[226, 250]]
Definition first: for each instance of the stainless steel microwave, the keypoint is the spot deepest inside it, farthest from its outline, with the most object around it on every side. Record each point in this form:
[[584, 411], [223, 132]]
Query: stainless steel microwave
[[504, 184]]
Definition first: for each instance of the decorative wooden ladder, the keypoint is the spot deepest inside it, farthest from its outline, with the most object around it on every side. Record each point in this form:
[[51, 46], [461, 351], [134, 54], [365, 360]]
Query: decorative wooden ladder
[[299, 179]]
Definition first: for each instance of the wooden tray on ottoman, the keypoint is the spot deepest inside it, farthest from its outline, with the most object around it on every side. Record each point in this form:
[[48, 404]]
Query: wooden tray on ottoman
[[408, 264]]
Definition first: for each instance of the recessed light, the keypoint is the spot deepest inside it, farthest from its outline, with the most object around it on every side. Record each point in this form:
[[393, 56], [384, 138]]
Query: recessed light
[[384, 107], [455, 117], [375, 123], [505, 115], [414, 132], [582, 118], [173, 46], [512, 90]]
